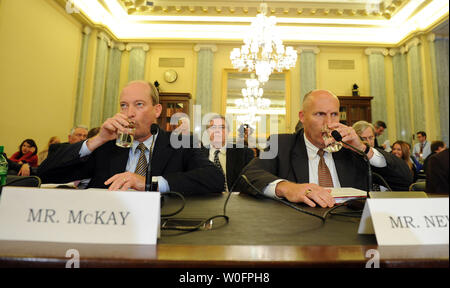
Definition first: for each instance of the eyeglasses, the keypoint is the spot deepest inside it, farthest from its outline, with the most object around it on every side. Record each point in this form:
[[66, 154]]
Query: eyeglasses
[[370, 138], [221, 127]]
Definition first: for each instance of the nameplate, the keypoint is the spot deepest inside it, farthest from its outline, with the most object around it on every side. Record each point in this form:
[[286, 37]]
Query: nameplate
[[79, 216], [419, 221]]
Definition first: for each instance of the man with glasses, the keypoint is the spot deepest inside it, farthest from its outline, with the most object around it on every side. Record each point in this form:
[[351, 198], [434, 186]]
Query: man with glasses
[[226, 156], [396, 173]]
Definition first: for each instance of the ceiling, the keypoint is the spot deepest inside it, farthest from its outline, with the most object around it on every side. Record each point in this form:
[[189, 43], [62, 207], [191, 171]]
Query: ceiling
[[361, 22]]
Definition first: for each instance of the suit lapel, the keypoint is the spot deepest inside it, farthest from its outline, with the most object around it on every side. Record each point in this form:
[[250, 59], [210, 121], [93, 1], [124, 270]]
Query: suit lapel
[[162, 152], [118, 160], [299, 160]]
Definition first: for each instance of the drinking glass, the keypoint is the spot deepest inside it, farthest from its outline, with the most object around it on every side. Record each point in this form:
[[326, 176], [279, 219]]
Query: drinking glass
[[125, 138], [331, 145]]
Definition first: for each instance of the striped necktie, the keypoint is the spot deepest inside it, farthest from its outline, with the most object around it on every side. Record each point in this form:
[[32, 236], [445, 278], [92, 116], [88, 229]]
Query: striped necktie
[[218, 165], [141, 167], [325, 179]]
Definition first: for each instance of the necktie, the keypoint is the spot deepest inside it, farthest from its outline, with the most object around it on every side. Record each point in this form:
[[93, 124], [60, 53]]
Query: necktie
[[217, 164], [421, 148], [141, 167], [325, 179]]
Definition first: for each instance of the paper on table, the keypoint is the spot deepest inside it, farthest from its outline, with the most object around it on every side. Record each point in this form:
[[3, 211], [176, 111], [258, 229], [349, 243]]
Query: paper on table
[[347, 193]]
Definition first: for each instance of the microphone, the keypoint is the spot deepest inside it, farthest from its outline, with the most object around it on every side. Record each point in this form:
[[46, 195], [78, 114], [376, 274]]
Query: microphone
[[338, 137], [154, 129]]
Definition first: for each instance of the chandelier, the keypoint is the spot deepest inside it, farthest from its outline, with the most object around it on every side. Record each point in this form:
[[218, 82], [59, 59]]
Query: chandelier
[[252, 101], [263, 51]]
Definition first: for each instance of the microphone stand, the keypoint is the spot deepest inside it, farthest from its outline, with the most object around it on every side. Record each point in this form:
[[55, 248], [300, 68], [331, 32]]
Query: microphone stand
[[148, 177], [337, 136]]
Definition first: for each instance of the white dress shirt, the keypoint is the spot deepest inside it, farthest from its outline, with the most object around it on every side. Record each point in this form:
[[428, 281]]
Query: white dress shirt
[[313, 164]]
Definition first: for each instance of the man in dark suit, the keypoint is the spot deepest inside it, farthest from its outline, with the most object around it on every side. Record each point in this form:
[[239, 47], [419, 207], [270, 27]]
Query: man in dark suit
[[183, 170], [380, 126], [437, 173], [397, 174], [226, 156], [302, 168]]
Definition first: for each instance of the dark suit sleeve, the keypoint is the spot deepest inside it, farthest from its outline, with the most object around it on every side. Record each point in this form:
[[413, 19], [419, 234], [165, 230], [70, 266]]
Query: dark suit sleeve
[[65, 165], [199, 175], [438, 173], [397, 173]]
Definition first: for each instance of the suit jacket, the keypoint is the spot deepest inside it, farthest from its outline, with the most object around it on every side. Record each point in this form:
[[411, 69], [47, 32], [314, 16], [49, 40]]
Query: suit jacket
[[437, 173], [291, 163], [185, 169], [237, 159]]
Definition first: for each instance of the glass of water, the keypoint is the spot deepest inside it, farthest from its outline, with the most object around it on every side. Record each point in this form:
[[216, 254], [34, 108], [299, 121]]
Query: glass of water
[[331, 145], [125, 138]]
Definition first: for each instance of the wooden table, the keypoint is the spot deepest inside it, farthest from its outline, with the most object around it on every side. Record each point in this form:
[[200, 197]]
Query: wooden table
[[261, 234]]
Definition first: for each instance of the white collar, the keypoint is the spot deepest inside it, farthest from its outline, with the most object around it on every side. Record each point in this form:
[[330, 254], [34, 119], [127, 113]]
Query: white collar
[[147, 143]]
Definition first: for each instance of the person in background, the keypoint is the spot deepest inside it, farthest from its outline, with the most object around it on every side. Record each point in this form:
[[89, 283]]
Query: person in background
[[421, 149], [229, 158], [245, 131], [77, 134], [26, 154], [366, 132], [380, 126], [401, 150], [436, 147], [43, 154], [23, 159], [437, 173]]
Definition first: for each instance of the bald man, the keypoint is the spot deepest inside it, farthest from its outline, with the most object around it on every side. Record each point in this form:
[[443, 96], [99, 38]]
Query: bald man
[[302, 171], [183, 170]]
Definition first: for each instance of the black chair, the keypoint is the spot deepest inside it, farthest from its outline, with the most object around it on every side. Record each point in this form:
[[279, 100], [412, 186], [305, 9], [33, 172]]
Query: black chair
[[22, 181], [418, 186]]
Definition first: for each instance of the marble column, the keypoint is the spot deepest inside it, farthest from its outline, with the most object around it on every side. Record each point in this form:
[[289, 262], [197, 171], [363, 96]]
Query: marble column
[[110, 101], [401, 95], [78, 115], [138, 55], [378, 86], [442, 75], [307, 69], [205, 67], [101, 62], [416, 84]]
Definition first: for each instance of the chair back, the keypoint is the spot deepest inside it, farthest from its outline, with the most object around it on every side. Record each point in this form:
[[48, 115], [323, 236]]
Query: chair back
[[418, 186]]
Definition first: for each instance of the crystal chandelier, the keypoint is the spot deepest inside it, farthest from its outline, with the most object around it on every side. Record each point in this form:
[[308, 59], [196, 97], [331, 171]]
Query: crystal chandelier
[[263, 51], [252, 101]]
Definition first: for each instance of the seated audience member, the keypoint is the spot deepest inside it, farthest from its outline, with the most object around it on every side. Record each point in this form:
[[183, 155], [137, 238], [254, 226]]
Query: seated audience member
[[26, 154], [109, 166], [437, 173], [77, 134], [421, 149], [436, 147], [379, 126], [43, 154], [302, 171], [229, 158], [245, 135], [401, 150], [366, 132]]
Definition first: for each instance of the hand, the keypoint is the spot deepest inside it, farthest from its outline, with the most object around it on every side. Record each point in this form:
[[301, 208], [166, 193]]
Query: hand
[[306, 193], [349, 135], [108, 131], [125, 181], [24, 170]]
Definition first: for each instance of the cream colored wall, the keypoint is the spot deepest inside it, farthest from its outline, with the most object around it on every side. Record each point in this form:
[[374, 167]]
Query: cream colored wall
[[39, 55], [341, 81]]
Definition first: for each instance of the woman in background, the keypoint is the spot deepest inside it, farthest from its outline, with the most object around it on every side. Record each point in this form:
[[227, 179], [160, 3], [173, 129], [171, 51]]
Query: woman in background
[[401, 149], [26, 154], [43, 154]]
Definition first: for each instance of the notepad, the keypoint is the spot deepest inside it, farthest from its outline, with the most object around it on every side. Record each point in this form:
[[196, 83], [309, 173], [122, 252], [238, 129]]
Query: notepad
[[343, 194]]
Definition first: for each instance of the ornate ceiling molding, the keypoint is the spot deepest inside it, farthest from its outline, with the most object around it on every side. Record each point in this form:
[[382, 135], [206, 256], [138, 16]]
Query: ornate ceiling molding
[[143, 46], [211, 47], [371, 51]]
